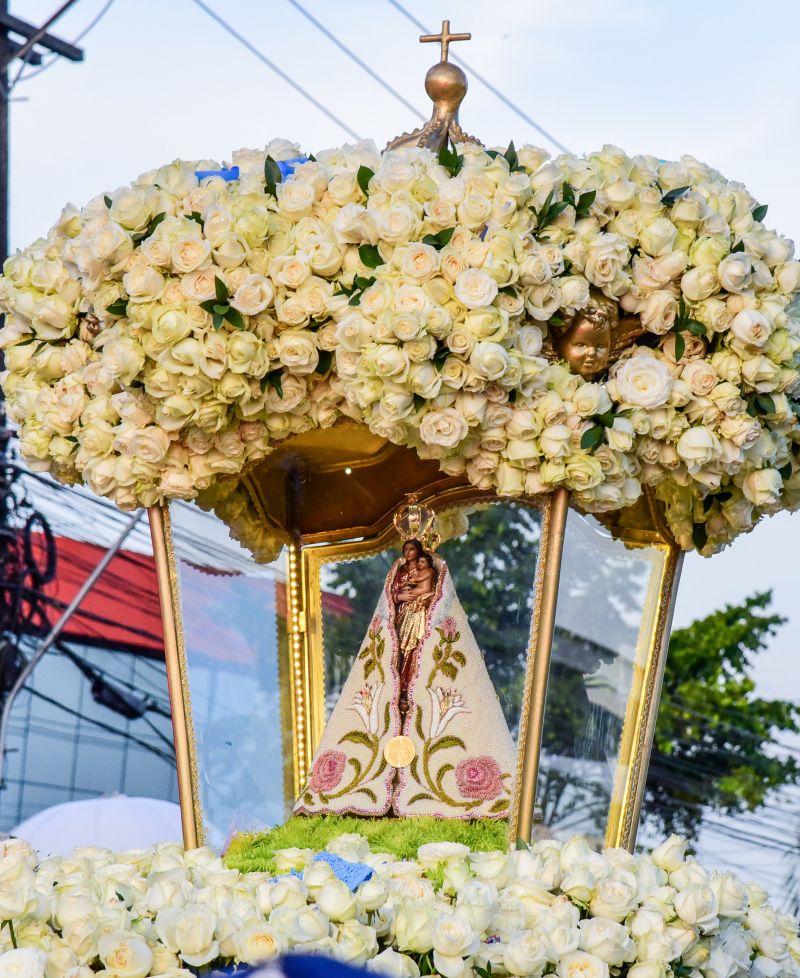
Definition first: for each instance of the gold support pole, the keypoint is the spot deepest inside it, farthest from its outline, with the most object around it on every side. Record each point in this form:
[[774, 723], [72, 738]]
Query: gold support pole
[[168, 593], [545, 619]]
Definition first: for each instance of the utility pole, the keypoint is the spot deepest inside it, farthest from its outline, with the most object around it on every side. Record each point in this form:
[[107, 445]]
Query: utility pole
[[19, 40]]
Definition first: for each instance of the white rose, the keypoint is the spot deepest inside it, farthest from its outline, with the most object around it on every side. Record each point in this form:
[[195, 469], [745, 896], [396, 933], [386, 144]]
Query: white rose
[[731, 895], [735, 272], [189, 932], [751, 327], [605, 256], [189, 254], [643, 381], [337, 901], [670, 855], [698, 446], [475, 288], [614, 897], [607, 939], [574, 292], [297, 351], [253, 296], [453, 940], [355, 225], [787, 276], [658, 312], [143, 283], [488, 360], [393, 964], [526, 954], [413, 926], [580, 964], [763, 488], [658, 237], [300, 924], [290, 270], [491, 867], [419, 262], [371, 895], [355, 942], [697, 906], [24, 962], [699, 283], [591, 399], [701, 377], [125, 955], [446, 428], [257, 941]]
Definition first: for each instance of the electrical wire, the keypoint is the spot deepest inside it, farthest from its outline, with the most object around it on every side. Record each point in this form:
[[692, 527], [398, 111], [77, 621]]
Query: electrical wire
[[273, 67], [485, 82], [49, 62], [354, 57]]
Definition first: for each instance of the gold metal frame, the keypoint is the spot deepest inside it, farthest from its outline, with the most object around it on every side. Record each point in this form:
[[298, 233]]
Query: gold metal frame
[[180, 699]]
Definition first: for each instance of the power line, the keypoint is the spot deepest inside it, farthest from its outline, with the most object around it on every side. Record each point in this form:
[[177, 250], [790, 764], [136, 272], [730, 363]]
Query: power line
[[354, 57], [484, 81], [79, 37], [273, 67]]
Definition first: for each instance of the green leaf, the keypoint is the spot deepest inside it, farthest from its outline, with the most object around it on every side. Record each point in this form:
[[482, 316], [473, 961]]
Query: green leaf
[[671, 196], [356, 765], [221, 289], [119, 307], [585, 202], [450, 160], [440, 239], [357, 737], [521, 845], [220, 309], [234, 317], [592, 437], [274, 379], [699, 535], [363, 178], [785, 472], [208, 304], [420, 796], [325, 361], [108, 201], [368, 792], [511, 156], [765, 403], [272, 175], [680, 346], [441, 773], [568, 194], [695, 327], [370, 256], [196, 216], [760, 212], [607, 419], [499, 806], [739, 246], [217, 320], [509, 290], [443, 743], [439, 357]]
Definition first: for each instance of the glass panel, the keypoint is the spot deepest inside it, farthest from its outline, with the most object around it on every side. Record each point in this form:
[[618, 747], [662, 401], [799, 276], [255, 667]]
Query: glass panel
[[607, 600], [491, 552], [233, 610]]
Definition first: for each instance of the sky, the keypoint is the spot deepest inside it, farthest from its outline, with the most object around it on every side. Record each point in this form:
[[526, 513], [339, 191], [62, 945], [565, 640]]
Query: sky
[[162, 80]]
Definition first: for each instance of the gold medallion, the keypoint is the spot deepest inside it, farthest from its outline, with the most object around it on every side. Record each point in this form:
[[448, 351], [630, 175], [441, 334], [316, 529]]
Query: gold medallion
[[400, 751]]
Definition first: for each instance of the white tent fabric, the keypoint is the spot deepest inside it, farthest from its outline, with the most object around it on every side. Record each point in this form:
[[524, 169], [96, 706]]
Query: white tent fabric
[[113, 822]]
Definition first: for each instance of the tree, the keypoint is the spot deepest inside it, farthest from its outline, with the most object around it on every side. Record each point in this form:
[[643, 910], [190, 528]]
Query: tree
[[714, 739]]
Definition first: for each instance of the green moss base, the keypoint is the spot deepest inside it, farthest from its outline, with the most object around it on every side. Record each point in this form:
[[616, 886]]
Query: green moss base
[[253, 852]]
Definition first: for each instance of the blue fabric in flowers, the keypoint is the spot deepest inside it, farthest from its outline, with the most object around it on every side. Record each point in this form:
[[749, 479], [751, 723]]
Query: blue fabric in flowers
[[287, 166], [225, 173], [353, 874]]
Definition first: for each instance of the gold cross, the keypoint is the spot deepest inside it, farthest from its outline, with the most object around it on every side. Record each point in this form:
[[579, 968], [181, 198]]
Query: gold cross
[[445, 38]]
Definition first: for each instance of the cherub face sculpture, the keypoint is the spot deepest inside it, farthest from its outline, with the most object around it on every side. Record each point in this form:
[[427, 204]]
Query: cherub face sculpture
[[594, 338]]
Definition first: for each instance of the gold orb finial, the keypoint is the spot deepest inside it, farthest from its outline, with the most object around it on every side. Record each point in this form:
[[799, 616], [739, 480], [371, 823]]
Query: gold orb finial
[[446, 85]]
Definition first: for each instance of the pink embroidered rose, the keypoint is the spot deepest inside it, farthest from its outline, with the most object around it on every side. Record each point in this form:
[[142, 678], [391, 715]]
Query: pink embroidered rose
[[479, 777], [449, 628], [375, 627], [327, 771]]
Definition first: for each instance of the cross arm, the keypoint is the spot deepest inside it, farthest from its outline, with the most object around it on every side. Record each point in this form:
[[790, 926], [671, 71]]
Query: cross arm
[[49, 41]]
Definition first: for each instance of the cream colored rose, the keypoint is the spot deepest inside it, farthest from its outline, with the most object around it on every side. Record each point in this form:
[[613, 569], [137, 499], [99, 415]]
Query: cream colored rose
[[488, 360], [189, 932], [123, 357], [336, 901], [393, 965], [607, 939], [355, 225], [200, 285], [591, 399], [698, 446], [52, 318], [297, 351], [763, 488], [109, 243], [295, 198], [413, 926], [735, 272], [701, 377], [254, 295], [642, 381], [445, 428], [24, 962], [658, 237], [290, 270], [658, 312], [554, 440], [475, 288], [143, 283], [125, 955], [751, 327], [397, 224], [699, 283], [189, 254], [605, 256]]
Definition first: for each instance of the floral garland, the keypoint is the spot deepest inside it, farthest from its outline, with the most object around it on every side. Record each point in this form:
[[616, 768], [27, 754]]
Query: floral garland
[[553, 909], [173, 330]]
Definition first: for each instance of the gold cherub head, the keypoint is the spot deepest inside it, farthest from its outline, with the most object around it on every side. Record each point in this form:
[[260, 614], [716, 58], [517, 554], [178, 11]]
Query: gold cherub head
[[593, 338]]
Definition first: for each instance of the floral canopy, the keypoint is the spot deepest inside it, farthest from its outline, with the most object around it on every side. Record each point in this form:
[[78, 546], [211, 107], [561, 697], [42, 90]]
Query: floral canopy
[[174, 330]]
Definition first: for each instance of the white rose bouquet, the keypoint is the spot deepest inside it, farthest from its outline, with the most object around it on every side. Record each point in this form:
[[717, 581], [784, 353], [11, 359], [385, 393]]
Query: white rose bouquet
[[556, 908], [172, 331]]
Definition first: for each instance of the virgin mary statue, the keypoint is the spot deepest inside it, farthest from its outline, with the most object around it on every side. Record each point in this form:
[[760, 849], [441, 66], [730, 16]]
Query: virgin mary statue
[[418, 729]]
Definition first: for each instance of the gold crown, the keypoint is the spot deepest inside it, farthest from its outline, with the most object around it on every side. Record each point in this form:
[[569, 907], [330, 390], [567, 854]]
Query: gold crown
[[416, 522]]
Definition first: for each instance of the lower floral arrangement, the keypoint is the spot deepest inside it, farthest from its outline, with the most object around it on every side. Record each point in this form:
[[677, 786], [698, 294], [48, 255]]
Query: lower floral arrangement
[[554, 908]]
